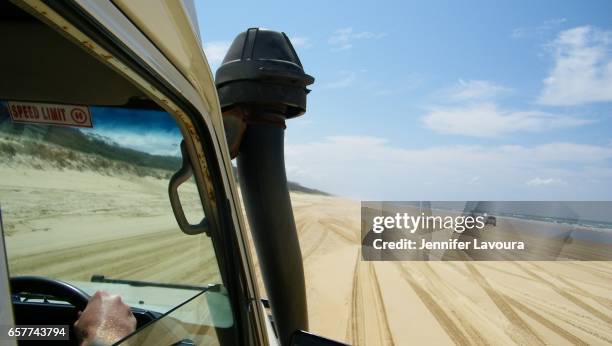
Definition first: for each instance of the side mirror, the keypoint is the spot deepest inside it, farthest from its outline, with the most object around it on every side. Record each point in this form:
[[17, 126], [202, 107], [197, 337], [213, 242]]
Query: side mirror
[[302, 338]]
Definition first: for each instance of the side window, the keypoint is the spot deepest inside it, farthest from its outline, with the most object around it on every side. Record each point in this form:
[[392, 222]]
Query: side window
[[86, 203]]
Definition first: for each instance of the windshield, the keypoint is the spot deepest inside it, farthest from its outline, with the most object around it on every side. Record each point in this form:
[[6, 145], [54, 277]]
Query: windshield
[[90, 205]]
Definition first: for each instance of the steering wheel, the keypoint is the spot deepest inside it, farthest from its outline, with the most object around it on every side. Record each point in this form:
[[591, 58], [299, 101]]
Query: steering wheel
[[56, 288]]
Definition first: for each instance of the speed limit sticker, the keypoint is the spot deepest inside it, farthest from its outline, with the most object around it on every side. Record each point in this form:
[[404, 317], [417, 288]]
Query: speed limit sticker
[[48, 113]]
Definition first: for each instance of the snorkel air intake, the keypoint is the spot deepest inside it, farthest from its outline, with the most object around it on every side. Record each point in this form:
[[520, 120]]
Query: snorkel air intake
[[261, 83]]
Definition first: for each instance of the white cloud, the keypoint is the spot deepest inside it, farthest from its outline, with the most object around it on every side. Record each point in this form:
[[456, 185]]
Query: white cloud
[[152, 142], [539, 30], [343, 39], [474, 90], [488, 120], [407, 84], [300, 42], [560, 152], [537, 181], [369, 167], [346, 79], [583, 68], [474, 180], [215, 52]]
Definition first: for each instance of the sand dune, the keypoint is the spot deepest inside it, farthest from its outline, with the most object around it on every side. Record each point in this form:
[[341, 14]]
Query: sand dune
[[120, 226]]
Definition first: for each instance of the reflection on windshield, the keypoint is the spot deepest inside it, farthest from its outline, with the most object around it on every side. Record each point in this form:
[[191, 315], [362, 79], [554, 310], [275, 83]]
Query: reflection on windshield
[[79, 202], [205, 319], [146, 131]]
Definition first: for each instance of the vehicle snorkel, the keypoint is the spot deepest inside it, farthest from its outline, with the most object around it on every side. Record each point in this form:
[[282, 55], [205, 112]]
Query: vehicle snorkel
[[261, 84]]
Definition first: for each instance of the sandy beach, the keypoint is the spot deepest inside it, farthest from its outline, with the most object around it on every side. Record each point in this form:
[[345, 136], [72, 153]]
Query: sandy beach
[[98, 223], [384, 303]]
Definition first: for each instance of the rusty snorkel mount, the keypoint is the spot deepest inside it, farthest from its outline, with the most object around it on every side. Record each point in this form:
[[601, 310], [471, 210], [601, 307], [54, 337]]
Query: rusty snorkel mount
[[261, 83]]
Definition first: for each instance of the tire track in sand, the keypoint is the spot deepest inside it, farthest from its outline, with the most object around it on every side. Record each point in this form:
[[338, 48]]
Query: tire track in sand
[[451, 329], [597, 271], [366, 288], [601, 300], [355, 331], [315, 245], [383, 323], [520, 331], [545, 322], [568, 295], [339, 228], [567, 317], [536, 316], [150, 257], [444, 292]]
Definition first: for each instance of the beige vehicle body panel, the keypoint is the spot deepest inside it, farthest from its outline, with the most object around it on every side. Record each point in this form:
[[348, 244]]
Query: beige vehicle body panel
[[6, 314], [164, 34]]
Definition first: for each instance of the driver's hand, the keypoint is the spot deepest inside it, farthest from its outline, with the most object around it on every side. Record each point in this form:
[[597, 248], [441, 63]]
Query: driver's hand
[[105, 320]]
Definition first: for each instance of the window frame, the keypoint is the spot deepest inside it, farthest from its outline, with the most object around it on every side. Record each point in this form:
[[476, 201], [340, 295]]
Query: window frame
[[79, 22]]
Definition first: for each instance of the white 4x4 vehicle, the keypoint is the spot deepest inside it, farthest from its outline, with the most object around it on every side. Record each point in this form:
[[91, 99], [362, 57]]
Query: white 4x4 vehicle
[[116, 175]]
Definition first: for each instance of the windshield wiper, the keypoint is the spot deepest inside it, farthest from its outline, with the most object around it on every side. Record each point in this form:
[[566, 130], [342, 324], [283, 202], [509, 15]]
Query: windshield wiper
[[103, 279]]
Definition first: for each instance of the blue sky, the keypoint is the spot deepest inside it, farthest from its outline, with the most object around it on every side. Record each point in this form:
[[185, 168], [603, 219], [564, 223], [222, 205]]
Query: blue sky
[[444, 100]]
